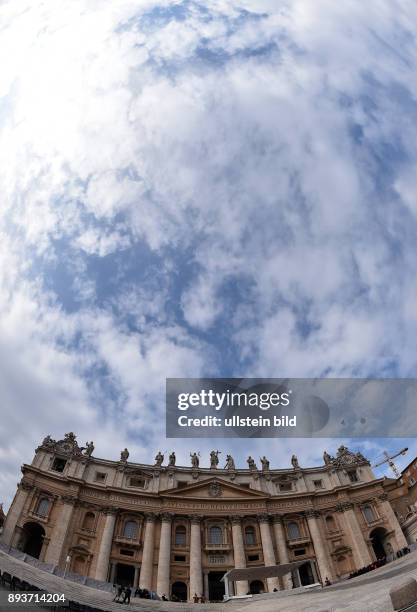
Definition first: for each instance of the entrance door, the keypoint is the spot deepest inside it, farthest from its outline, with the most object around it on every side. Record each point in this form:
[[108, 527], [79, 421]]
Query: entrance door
[[179, 590], [256, 587], [33, 535], [378, 537], [216, 586], [125, 574], [306, 574]]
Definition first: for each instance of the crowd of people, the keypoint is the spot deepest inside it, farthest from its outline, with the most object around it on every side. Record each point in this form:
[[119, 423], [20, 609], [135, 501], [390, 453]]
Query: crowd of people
[[379, 563], [124, 593]]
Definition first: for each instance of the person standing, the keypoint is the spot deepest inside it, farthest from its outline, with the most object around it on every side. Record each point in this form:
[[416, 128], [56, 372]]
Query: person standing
[[128, 593]]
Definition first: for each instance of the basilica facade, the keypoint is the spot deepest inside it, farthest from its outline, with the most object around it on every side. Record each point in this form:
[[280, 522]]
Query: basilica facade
[[176, 530]]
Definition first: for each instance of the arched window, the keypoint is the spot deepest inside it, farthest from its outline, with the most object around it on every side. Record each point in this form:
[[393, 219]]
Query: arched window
[[293, 531], [130, 530], [250, 537], [330, 524], [43, 507], [215, 535], [369, 513], [180, 535], [89, 520]]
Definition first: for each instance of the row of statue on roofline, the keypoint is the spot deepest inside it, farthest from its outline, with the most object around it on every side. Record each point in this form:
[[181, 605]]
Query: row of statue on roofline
[[195, 457], [230, 463]]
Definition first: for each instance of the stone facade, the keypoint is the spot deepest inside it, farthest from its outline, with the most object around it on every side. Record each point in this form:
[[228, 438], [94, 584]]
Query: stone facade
[[174, 529], [402, 494]]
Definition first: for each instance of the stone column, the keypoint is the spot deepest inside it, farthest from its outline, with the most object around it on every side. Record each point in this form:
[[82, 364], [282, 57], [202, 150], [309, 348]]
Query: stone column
[[103, 556], [146, 572], [268, 549], [281, 543], [360, 550], [242, 586], [164, 560], [136, 577], [392, 521], [113, 572], [15, 512], [322, 556], [196, 575], [206, 586], [59, 532]]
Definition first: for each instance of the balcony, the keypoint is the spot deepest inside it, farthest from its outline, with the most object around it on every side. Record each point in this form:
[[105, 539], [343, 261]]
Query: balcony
[[127, 541], [378, 520], [210, 547], [39, 517], [297, 541], [334, 533]]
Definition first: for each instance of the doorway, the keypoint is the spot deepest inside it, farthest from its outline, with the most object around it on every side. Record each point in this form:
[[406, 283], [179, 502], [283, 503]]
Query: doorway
[[256, 587], [125, 574], [378, 539], [216, 586], [179, 589], [306, 574], [33, 535]]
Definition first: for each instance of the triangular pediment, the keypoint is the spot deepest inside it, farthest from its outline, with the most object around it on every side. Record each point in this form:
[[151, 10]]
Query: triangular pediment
[[214, 488]]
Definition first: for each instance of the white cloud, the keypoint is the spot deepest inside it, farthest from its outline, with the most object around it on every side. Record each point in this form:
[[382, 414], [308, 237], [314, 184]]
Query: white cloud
[[263, 160]]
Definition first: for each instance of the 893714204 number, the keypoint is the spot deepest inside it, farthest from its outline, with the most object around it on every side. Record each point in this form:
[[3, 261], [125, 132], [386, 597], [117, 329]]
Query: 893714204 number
[[40, 598]]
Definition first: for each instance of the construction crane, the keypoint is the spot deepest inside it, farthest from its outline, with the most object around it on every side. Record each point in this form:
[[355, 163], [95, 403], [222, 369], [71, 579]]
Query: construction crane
[[389, 459]]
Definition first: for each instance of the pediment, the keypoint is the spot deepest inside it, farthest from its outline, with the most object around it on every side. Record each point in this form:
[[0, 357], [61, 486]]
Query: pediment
[[214, 488]]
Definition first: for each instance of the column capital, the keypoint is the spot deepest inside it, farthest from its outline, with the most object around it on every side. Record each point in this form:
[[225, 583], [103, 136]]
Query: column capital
[[150, 517], [236, 519], [109, 511], [166, 517], [195, 520], [263, 518], [25, 486], [383, 497], [344, 506], [69, 499], [278, 519], [311, 513]]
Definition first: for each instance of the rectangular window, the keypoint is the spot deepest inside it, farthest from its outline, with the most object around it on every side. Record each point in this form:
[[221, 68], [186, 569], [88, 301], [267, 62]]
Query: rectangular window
[[126, 552], [318, 484], [180, 558], [253, 557], [139, 483], [353, 476], [299, 552], [58, 464], [285, 486], [100, 477]]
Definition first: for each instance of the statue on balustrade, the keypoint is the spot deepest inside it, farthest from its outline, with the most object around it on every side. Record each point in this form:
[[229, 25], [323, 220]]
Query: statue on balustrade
[[327, 458], [124, 455], [265, 464], [195, 461], [251, 463], [159, 459], [172, 459], [230, 463], [214, 459], [89, 448], [294, 462]]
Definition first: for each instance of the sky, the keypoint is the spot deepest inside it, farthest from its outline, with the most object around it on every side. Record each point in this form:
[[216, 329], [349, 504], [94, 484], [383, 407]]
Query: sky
[[218, 188]]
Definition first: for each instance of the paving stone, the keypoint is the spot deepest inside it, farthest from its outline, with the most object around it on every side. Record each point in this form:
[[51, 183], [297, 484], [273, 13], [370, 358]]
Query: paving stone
[[367, 593]]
